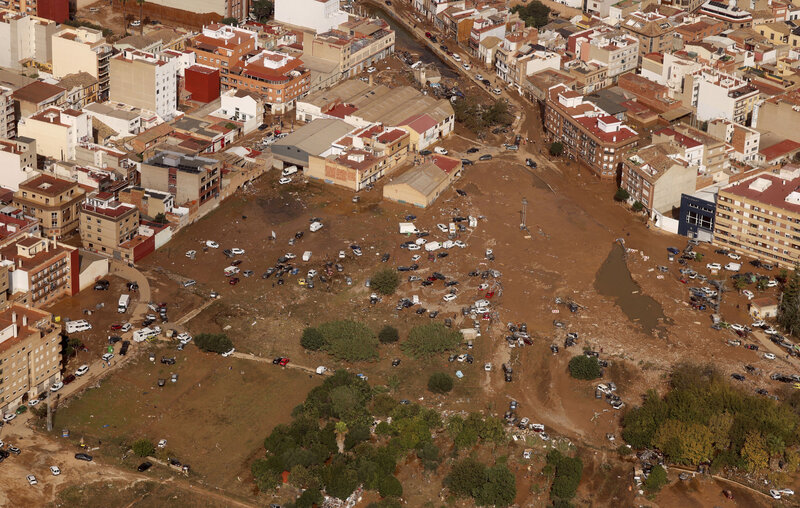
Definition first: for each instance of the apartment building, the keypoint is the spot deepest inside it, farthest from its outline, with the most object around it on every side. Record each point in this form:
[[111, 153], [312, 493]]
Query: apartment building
[[744, 141], [709, 154], [42, 270], [187, 178], [145, 81], [54, 201], [37, 96], [80, 89], [514, 63], [655, 32], [278, 77], [656, 176], [614, 49], [57, 132], [8, 116], [25, 39], [106, 223], [30, 353], [493, 25], [728, 13], [356, 47], [317, 15], [700, 29], [51, 10], [779, 114], [17, 161], [588, 133], [222, 46], [759, 217], [713, 94], [82, 50]]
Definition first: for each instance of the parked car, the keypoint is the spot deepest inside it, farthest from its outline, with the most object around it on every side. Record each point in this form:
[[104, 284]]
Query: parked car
[[83, 456], [144, 466]]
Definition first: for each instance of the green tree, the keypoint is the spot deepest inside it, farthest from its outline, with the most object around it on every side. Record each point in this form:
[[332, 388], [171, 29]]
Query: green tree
[[143, 448], [390, 486], [740, 283], [656, 479], [621, 195], [720, 427], [440, 382], [340, 479], [309, 498], [428, 453], [262, 10], [427, 340], [497, 114], [584, 367], [466, 478], [556, 149], [498, 489], [213, 342], [229, 21], [385, 281], [348, 340], [160, 218], [568, 472], [534, 14], [754, 451], [637, 206], [312, 339], [388, 334], [762, 284], [789, 306]]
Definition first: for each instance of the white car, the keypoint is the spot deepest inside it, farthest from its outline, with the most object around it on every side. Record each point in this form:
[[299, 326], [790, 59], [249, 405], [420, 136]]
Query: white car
[[771, 331], [7, 418], [33, 402], [341, 254], [459, 243], [479, 77], [289, 255], [776, 494], [414, 246], [237, 251], [487, 367], [357, 252], [714, 266], [162, 443], [449, 297], [57, 386], [759, 324], [442, 228], [285, 180], [537, 427], [769, 356], [312, 273], [466, 66], [108, 356], [737, 328], [31, 479], [126, 327], [786, 492], [733, 267], [83, 369], [734, 256], [55, 470], [371, 69], [315, 226], [772, 283], [212, 244], [136, 22], [185, 338], [456, 57], [749, 294], [228, 353], [440, 150], [497, 91]]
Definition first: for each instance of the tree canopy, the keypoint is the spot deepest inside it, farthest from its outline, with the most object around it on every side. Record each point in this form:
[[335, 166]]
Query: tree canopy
[[385, 281], [584, 367], [429, 339], [534, 13], [488, 486], [213, 342], [346, 340], [789, 307], [440, 382]]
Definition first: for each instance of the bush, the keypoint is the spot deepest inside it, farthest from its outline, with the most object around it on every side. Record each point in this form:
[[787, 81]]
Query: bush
[[348, 340], [584, 367], [389, 486], [312, 339], [385, 281], [143, 448], [213, 342], [656, 479], [429, 339], [568, 472], [637, 206], [440, 382], [494, 486], [556, 149], [621, 195], [388, 334], [309, 498]]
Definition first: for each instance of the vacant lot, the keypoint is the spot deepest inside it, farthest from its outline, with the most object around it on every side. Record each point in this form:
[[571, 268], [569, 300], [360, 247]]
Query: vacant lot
[[214, 417]]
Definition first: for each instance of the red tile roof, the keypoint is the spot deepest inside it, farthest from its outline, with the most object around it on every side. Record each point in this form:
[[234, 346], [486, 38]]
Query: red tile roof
[[780, 149], [609, 137], [446, 164], [774, 195], [341, 110], [420, 123], [391, 136], [684, 141]]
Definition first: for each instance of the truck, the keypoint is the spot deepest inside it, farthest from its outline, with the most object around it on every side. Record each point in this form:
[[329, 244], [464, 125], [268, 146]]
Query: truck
[[122, 305], [143, 334], [81, 325], [408, 228]]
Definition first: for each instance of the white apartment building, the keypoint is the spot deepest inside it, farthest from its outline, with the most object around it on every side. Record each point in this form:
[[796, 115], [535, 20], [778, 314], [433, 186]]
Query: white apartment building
[[17, 161], [8, 116], [145, 81], [25, 37], [615, 50], [744, 142], [718, 95], [125, 122], [241, 106], [57, 132], [318, 15], [669, 71]]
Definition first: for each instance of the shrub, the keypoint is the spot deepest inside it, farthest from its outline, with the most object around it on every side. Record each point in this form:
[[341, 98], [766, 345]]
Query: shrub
[[312, 339], [621, 195], [389, 486], [584, 367], [143, 448], [388, 334], [556, 149], [637, 206], [492, 486], [568, 472], [429, 339], [309, 498], [213, 342], [385, 281], [349, 340], [440, 382], [656, 479]]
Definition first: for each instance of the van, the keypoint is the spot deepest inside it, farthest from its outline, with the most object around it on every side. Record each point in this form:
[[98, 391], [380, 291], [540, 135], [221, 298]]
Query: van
[[289, 171], [451, 228], [144, 334], [231, 270], [122, 305], [448, 244], [315, 226], [307, 255], [432, 246], [733, 267], [407, 228], [81, 325]]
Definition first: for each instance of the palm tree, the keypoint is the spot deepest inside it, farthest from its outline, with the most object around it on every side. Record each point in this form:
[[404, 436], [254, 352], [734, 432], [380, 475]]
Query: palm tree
[[341, 431], [141, 11]]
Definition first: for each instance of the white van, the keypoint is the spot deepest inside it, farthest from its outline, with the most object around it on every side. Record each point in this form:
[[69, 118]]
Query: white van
[[307, 255], [231, 270], [432, 246], [289, 171], [144, 334], [122, 305], [408, 228], [733, 267], [315, 226], [81, 325]]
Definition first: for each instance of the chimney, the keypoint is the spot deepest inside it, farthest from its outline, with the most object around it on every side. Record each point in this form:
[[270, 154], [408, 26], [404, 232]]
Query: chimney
[[24, 320], [13, 316]]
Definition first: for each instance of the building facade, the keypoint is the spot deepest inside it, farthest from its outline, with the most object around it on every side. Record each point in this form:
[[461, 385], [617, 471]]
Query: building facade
[[41, 270], [17, 161], [57, 132], [82, 50], [655, 32], [54, 201], [278, 77], [318, 15], [145, 81], [187, 178], [105, 224], [656, 176]]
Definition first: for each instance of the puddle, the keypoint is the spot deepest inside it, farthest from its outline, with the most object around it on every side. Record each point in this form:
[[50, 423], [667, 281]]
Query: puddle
[[614, 280]]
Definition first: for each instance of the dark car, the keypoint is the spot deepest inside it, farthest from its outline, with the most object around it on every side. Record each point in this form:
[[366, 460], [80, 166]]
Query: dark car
[[132, 286], [485, 157], [144, 466], [123, 350], [68, 379], [467, 162], [83, 456], [473, 150], [262, 126], [438, 275], [276, 361], [530, 163], [461, 192], [425, 152], [737, 377], [442, 254], [403, 269], [233, 281], [102, 285], [385, 258], [236, 263]]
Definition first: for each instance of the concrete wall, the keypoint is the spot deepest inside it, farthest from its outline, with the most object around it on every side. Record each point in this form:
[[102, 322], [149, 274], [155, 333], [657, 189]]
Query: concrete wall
[[94, 271]]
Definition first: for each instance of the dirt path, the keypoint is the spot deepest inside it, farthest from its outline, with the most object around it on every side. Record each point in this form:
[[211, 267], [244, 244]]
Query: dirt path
[[290, 365]]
